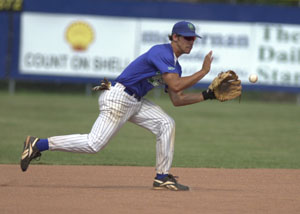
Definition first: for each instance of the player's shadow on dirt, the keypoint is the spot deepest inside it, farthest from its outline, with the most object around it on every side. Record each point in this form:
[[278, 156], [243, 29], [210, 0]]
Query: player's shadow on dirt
[[71, 186]]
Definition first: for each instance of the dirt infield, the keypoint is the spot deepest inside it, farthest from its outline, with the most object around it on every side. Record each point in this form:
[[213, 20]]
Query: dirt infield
[[105, 189]]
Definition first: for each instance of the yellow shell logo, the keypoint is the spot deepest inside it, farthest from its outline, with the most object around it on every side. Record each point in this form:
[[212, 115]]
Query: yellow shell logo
[[79, 34]]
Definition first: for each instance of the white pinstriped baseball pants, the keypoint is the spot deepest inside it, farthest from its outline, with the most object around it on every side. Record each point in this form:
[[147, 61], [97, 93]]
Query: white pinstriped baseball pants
[[117, 107]]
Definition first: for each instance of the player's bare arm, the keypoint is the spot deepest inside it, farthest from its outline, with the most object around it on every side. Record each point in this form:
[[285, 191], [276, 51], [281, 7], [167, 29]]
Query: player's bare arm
[[177, 83], [182, 99]]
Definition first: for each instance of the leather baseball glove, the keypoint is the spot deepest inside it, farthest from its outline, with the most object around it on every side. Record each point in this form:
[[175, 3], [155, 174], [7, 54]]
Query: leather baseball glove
[[104, 85], [226, 86]]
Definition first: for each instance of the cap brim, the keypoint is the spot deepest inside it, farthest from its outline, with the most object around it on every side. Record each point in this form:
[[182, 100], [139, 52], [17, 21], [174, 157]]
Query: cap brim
[[190, 34]]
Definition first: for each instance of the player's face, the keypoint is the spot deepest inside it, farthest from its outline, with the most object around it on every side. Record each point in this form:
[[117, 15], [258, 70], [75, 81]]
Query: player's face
[[184, 44]]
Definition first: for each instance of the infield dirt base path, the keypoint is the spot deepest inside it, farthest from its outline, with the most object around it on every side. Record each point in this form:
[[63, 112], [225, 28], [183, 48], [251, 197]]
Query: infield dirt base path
[[106, 189]]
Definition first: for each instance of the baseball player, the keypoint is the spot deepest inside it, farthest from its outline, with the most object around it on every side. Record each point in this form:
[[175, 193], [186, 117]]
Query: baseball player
[[123, 100]]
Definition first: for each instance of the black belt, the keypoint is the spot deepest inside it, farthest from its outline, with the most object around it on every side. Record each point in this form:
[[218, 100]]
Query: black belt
[[129, 92]]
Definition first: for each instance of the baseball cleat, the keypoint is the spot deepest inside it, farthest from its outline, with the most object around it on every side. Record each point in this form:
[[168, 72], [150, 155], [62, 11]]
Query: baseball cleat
[[170, 183], [30, 152]]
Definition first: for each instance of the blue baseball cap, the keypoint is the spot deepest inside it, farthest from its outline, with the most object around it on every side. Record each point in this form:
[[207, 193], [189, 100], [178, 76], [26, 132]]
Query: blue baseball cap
[[184, 28]]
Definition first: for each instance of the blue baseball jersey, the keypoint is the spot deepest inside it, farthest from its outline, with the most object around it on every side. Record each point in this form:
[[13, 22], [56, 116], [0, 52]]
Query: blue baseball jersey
[[145, 72]]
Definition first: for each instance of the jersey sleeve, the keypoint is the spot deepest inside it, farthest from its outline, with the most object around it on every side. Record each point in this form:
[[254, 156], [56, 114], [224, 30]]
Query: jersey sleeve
[[163, 61]]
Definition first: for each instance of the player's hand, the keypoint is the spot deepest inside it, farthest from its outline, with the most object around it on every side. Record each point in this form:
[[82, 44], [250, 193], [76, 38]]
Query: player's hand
[[104, 85], [207, 63]]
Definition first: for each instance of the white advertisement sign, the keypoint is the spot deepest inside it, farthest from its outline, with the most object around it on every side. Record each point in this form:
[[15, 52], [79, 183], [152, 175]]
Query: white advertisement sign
[[277, 55], [74, 45], [101, 46]]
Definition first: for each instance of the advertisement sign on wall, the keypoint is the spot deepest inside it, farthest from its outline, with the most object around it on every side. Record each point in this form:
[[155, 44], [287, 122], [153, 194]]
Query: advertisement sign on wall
[[82, 46], [277, 54]]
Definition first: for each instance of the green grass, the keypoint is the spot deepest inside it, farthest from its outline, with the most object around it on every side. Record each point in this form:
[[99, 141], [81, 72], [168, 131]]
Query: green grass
[[209, 134]]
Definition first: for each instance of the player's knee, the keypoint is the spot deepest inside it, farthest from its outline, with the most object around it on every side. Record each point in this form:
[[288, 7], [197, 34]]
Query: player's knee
[[94, 150], [96, 145], [169, 123]]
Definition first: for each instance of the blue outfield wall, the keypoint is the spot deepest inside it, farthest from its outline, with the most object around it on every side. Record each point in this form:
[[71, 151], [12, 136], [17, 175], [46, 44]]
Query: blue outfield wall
[[162, 10], [3, 42], [216, 12]]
